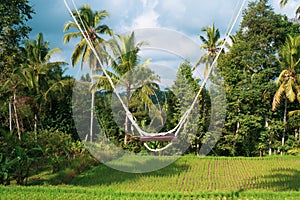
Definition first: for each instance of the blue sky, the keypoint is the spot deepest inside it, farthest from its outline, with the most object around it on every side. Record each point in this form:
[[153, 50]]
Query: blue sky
[[185, 17]]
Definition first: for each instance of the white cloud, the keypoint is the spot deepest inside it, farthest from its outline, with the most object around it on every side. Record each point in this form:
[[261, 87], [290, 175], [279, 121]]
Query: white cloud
[[175, 8], [170, 41], [147, 17], [290, 8]]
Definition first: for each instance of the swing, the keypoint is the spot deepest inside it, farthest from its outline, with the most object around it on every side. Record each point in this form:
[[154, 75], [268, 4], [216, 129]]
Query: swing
[[145, 137], [159, 138]]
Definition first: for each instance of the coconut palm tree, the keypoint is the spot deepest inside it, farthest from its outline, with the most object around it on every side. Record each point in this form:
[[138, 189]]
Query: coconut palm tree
[[91, 24], [212, 44], [128, 72], [288, 81], [38, 73], [35, 78]]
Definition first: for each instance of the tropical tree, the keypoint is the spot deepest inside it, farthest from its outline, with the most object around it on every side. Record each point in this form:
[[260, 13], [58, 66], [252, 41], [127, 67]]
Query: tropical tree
[[128, 73], [248, 71], [13, 29], [288, 81], [185, 89], [34, 79], [212, 44], [91, 24], [39, 75]]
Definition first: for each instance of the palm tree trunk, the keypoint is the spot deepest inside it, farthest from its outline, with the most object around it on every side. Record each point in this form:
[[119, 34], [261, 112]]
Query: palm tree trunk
[[16, 116], [270, 141], [92, 65], [10, 116], [92, 117], [284, 124], [126, 123]]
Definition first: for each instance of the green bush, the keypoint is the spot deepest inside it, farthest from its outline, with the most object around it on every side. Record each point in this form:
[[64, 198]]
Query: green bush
[[48, 148]]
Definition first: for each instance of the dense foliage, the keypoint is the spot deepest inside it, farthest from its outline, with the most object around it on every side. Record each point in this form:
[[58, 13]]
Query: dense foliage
[[249, 70]]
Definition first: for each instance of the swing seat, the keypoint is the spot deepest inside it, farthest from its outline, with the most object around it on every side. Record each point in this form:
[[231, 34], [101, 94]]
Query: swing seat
[[159, 138]]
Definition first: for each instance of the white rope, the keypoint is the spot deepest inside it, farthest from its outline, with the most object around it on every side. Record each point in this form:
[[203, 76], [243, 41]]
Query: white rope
[[183, 119], [128, 113], [205, 79]]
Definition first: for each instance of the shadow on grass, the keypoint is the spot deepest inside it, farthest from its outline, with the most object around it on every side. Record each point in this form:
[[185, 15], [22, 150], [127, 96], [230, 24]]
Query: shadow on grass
[[104, 175], [281, 180]]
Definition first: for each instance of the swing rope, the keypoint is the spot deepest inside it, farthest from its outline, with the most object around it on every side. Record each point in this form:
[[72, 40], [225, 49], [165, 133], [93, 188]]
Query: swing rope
[[129, 115]]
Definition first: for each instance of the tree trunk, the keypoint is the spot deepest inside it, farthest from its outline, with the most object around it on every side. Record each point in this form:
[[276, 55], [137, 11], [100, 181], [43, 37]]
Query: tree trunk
[[10, 116], [35, 126], [269, 134], [126, 123], [270, 147], [92, 102], [284, 124], [16, 116], [92, 117]]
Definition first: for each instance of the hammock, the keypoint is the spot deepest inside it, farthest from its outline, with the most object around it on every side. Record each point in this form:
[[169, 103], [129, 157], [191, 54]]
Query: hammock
[[172, 134]]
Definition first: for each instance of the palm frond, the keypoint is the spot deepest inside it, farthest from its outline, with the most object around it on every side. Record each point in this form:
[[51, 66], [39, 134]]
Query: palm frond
[[79, 48], [70, 24], [293, 113], [283, 3], [278, 97], [289, 92], [102, 82], [281, 78], [57, 86], [69, 36]]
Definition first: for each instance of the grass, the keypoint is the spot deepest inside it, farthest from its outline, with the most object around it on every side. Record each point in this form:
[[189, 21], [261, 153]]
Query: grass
[[189, 177], [68, 193], [194, 174]]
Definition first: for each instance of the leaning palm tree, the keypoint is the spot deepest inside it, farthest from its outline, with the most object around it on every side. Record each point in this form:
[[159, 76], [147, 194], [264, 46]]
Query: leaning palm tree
[[212, 44], [284, 2], [90, 23], [128, 72], [289, 81]]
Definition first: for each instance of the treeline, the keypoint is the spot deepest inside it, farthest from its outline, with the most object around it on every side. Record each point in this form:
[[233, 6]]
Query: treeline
[[259, 73]]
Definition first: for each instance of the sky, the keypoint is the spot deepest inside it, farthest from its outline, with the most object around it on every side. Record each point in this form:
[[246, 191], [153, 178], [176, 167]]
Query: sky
[[171, 27]]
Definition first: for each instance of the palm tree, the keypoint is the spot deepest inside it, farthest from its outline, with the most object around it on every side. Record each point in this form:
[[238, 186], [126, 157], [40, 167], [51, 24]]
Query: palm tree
[[35, 78], [127, 71], [289, 81], [212, 44], [284, 2], [39, 75], [90, 23]]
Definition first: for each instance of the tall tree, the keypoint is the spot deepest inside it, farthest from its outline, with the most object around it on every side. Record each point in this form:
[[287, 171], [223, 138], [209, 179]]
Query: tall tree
[[38, 76], [249, 70], [91, 23], [184, 92], [129, 73], [34, 79], [288, 81], [212, 44], [14, 15], [13, 28]]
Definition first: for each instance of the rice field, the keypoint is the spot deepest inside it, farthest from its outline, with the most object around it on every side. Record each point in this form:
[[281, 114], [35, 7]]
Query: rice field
[[79, 193], [189, 177]]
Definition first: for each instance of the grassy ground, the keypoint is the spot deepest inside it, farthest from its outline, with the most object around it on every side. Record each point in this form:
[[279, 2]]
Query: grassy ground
[[188, 178]]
